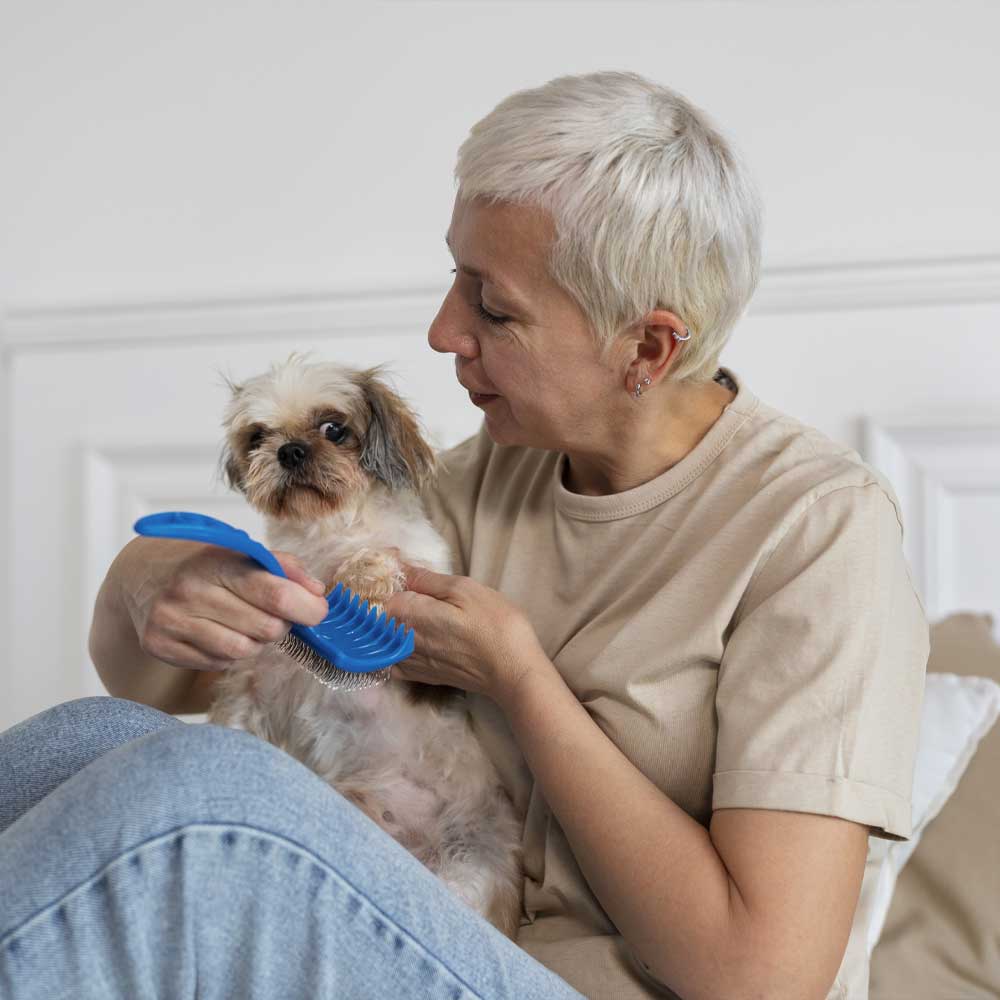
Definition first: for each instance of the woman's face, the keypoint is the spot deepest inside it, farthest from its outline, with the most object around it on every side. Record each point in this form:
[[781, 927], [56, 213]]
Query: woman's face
[[522, 347]]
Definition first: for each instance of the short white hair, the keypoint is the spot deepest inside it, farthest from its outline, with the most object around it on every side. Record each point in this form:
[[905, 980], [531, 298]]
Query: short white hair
[[652, 206]]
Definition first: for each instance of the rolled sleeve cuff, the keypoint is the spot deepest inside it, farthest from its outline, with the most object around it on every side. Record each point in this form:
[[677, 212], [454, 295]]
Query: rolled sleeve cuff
[[885, 811]]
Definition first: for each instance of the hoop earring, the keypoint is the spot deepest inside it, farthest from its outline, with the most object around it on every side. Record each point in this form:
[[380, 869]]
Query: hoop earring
[[687, 334]]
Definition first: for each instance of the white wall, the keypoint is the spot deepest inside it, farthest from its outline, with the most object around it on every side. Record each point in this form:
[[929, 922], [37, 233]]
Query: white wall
[[207, 157], [155, 150]]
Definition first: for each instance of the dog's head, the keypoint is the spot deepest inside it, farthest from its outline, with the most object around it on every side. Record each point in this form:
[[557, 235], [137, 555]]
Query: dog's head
[[306, 437]]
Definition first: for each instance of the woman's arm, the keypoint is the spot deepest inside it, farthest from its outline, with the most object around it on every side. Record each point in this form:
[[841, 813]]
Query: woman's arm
[[171, 614], [759, 905], [125, 668]]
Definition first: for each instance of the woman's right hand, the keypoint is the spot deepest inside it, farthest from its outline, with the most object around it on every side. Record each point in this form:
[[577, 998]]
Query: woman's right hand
[[204, 607]]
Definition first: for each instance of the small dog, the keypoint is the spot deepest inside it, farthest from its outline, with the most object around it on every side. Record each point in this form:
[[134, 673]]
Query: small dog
[[334, 459]]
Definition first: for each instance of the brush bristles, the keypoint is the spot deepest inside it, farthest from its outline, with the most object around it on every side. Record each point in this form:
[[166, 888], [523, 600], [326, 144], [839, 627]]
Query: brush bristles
[[325, 672]]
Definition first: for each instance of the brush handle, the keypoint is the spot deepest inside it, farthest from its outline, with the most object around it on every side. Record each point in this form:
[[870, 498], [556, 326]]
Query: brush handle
[[202, 528]]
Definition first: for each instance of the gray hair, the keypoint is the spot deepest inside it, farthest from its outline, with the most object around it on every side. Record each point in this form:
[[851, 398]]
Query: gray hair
[[652, 207]]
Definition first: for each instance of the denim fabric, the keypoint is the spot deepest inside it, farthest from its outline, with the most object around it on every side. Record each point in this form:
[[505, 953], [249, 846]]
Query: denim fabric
[[141, 857]]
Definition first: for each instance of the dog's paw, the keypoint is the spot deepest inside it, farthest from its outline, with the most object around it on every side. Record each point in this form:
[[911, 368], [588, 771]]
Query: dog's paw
[[374, 574]]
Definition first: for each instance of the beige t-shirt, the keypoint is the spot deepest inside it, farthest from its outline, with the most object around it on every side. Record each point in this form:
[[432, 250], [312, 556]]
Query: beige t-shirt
[[743, 627]]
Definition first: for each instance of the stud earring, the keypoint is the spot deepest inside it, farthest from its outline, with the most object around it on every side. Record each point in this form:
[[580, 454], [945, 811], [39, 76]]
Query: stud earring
[[638, 387]]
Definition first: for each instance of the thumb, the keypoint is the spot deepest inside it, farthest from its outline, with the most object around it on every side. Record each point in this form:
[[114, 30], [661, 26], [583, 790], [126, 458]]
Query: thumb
[[294, 570], [426, 581]]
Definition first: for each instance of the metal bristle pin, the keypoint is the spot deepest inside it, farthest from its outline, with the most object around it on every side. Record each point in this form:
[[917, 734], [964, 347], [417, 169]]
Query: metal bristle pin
[[326, 673]]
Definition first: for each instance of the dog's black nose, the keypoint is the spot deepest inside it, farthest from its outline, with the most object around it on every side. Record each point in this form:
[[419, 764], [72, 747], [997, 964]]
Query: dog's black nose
[[293, 454]]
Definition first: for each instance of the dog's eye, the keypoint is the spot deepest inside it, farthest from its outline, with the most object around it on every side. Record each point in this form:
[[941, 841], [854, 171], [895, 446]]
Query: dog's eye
[[333, 431], [255, 439]]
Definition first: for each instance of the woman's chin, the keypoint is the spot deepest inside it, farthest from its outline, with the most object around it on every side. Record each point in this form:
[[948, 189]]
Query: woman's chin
[[500, 430], [504, 431]]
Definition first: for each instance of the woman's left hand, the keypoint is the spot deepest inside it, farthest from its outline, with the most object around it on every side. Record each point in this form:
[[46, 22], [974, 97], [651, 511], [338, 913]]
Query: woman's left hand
[[467, 635]]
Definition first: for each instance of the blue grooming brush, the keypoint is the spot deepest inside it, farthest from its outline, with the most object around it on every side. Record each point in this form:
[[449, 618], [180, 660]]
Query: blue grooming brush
[[354, 647]]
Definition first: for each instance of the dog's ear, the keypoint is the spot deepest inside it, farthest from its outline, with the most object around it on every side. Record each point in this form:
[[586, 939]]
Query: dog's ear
[[229, 467], [229, 470], [394, 450]]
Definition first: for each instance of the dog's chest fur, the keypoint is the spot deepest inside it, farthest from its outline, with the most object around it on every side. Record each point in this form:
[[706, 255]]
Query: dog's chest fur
[[397, 759]]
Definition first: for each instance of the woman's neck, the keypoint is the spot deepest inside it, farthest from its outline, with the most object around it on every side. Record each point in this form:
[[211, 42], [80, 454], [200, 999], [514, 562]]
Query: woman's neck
[[662, 428]]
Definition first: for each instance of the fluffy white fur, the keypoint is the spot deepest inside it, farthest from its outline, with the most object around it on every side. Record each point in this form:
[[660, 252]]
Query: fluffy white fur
[[405, 754]]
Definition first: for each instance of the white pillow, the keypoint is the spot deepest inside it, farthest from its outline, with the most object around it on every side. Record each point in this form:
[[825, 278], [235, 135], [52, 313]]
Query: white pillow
[[957, 713]]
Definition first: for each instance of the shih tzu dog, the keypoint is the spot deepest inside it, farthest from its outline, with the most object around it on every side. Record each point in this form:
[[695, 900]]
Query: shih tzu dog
[[334, 459]]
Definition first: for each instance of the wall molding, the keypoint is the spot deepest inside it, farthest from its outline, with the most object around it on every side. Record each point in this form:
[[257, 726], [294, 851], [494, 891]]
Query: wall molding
[[932, 469], [878, 285], [813, 288]]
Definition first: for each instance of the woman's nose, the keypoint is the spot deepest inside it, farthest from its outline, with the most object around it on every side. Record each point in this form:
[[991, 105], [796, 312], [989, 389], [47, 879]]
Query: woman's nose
[[446, 335]]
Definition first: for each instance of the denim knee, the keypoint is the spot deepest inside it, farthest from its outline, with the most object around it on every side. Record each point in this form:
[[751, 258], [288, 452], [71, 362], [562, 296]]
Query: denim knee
[[117, 719], [40, 753], [206, 773]]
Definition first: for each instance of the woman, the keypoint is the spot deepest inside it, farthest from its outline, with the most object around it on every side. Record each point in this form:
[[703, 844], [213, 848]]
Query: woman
[[685, 624]]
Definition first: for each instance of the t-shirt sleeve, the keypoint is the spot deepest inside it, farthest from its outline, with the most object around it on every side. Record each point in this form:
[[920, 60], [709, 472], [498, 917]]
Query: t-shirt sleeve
[[450, 497], [821, 681]]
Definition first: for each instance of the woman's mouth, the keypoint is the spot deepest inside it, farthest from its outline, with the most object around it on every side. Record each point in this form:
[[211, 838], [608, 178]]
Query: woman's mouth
[[482, 398]]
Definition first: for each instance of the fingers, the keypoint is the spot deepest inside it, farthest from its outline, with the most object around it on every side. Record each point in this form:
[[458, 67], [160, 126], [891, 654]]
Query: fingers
[[426, 581], [281, 598], [230, 610], [434, 623], [205, 607], [409, 607], [200, 643], [296, 571], [416, 668]]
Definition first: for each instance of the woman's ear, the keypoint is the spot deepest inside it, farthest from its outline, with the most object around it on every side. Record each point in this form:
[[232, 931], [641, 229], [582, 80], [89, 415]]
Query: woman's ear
[[394, 451], [651, 349]]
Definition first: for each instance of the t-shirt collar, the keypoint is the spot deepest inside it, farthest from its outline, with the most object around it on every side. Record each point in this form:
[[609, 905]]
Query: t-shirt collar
[[648, 495]]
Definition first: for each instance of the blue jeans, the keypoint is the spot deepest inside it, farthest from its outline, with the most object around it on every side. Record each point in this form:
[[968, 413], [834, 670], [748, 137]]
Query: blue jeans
[[142, 857]]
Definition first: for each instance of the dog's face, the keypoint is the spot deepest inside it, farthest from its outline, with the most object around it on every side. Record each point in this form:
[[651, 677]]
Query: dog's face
[[306, 438]]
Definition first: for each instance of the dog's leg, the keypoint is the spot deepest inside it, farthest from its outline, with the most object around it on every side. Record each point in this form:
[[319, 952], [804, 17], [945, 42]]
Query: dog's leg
[[235, 703], [504, 910], [495, 896], [240, 703], [481, 862]]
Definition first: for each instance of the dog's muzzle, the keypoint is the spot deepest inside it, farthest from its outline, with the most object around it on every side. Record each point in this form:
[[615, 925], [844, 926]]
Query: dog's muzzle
[[293, 455]]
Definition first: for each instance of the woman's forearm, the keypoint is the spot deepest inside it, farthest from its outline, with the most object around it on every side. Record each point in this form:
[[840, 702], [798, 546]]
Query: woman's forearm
[[125, 669], [653, 868]]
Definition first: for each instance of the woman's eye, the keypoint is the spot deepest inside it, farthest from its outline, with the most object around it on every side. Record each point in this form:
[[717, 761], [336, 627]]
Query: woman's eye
[[333, 431], [490, 317], [484, 314]]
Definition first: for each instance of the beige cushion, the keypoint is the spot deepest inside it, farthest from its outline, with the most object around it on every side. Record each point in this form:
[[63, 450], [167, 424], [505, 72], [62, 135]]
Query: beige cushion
[[957, 714], [941, 938]]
